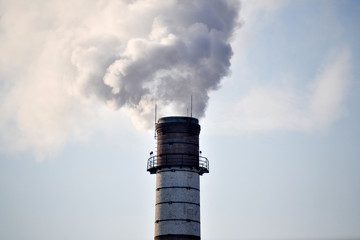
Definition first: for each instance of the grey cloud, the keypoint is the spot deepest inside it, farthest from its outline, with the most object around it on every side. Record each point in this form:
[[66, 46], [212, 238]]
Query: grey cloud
[[61, 60], [190, 56]]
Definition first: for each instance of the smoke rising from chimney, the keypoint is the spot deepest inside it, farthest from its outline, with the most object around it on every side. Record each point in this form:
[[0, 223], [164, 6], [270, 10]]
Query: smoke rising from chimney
[[186, 52], [60, 59]]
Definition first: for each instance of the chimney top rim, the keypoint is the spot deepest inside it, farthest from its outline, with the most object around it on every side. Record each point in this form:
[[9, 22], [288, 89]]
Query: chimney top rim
[[178, 119]]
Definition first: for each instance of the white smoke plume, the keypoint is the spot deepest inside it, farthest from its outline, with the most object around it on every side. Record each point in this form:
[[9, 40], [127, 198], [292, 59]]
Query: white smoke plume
[[185, 52], [61, 59]]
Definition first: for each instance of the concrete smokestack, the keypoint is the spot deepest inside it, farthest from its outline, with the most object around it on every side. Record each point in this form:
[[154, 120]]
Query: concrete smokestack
[[178, 166]]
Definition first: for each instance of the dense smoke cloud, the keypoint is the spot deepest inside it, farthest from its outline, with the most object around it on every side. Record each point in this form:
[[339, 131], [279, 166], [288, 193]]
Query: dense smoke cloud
[[186, 52], [60, 60]]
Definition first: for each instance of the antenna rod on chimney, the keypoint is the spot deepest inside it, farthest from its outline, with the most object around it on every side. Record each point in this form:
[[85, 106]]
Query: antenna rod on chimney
[[155, 112], [191, 107], [155, 119]]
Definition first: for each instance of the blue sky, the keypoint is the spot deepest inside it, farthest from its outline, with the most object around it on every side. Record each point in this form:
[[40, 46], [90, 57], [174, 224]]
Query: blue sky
[[282, 133]]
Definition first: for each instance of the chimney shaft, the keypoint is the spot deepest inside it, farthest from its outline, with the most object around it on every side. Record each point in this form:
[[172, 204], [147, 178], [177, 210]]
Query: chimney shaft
[[177, 166]]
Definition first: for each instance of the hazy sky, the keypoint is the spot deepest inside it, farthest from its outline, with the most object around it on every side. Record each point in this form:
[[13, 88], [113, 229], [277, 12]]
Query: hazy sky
[[78, 83]]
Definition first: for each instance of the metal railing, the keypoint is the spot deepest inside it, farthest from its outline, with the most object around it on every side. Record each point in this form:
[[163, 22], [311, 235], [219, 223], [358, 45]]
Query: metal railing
[[204, 163], [152, 163]]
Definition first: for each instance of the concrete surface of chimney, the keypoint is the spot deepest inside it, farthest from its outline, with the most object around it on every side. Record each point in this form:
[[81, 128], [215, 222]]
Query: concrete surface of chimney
[[177, 166]]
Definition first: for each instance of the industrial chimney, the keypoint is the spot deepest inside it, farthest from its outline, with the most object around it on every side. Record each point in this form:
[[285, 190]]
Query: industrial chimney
[[178, 167]]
